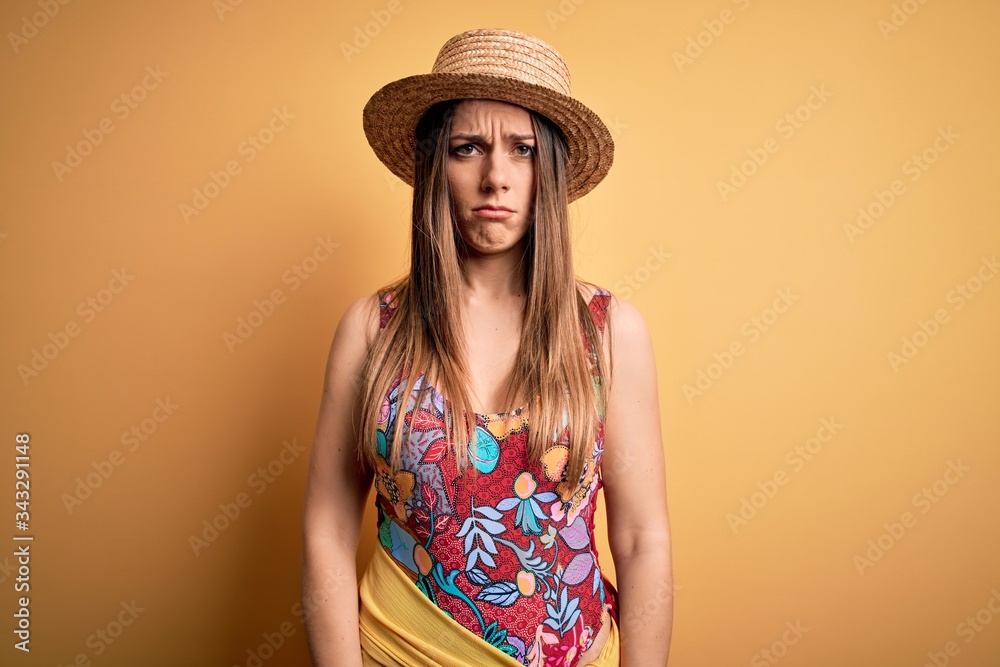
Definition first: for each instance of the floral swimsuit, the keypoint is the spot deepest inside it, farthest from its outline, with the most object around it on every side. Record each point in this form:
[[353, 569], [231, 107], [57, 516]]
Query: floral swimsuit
[[505, 557]]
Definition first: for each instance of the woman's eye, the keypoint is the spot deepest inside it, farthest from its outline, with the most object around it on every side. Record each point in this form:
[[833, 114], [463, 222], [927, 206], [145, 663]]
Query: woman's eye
[[461, 150], [528, 150]]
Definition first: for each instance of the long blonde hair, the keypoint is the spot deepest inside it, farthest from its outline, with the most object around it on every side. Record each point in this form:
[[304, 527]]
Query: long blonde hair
[[425, 333]]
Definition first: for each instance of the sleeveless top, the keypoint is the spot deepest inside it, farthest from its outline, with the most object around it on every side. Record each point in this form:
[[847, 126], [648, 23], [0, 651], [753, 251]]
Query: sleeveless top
[[505, 558]]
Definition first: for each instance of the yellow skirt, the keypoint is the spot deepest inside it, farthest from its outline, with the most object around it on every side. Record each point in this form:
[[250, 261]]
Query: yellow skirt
[[401, 627]]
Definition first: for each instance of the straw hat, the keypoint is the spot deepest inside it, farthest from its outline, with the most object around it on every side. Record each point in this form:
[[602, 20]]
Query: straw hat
[[494, 64]]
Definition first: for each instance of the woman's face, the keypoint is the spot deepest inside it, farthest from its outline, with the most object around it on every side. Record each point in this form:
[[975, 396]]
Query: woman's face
[[491, 171]]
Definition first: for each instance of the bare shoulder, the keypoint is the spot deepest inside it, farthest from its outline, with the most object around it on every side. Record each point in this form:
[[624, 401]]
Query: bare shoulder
[[356, 330], [629, 342], [361, 318], [627, 319]]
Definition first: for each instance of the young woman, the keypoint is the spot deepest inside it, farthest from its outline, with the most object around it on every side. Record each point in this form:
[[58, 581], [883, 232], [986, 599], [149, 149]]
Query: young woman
[[489, 395]]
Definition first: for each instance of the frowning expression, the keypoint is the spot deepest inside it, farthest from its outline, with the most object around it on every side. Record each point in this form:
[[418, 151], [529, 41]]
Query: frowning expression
[[491, 173]]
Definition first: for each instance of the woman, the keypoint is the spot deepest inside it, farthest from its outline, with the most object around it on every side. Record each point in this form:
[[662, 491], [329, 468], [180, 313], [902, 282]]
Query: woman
[[486, 553]]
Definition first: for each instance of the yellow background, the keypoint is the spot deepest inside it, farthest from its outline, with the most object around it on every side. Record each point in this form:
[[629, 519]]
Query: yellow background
[[681, 127]]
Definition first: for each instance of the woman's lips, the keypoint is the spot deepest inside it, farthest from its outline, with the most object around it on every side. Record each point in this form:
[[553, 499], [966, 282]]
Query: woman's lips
[[493, 213]]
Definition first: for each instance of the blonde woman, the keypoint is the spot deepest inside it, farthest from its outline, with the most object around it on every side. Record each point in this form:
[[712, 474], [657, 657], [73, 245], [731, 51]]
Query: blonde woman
[[489, 395]]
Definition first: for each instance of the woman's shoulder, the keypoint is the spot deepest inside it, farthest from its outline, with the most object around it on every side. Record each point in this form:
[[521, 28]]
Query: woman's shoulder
[[361, 317], [606, 305], [367, 315]]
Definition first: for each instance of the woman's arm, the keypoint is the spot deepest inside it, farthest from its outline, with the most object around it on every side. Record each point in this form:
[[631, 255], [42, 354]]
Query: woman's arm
[[635, 496], [336, 492]]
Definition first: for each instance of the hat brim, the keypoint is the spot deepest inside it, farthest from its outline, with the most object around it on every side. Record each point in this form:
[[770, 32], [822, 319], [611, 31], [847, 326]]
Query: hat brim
[[390, 120]]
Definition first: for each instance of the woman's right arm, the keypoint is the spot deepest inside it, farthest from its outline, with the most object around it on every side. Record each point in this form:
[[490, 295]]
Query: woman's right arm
[[336, 491]]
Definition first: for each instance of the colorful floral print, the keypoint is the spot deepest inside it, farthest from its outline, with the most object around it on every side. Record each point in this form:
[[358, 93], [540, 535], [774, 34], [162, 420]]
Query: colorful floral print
[[503, 556]]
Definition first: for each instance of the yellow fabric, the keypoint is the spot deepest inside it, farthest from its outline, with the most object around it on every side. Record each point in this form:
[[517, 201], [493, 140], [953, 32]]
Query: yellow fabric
[[401, 627]]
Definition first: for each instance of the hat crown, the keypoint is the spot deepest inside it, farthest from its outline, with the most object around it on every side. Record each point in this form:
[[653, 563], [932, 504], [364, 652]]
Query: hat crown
[[491, 64], [505, 53]]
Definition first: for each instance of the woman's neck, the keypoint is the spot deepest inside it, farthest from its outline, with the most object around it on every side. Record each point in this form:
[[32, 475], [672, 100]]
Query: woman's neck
[[493, 278]]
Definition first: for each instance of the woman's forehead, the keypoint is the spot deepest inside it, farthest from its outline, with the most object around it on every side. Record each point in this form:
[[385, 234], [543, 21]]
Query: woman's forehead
[[481, 114]]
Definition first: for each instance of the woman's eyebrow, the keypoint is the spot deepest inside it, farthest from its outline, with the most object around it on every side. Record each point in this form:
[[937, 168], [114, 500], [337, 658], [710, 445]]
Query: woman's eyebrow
[[481, 139]]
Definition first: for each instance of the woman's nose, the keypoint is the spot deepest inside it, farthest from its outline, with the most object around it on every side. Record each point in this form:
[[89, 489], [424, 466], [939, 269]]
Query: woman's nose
[[495, 171]]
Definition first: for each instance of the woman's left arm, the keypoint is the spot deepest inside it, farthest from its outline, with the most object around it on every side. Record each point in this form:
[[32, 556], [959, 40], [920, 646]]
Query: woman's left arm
[[635, 494]]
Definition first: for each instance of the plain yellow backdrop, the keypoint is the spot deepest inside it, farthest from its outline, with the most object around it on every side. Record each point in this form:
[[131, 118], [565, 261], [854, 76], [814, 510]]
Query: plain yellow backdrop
[[801, 205]]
